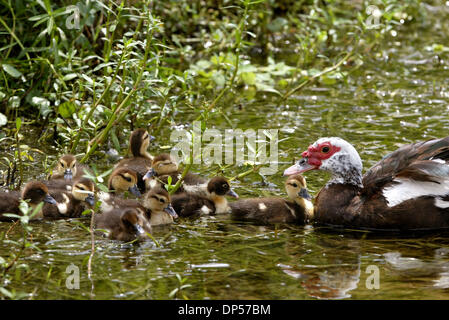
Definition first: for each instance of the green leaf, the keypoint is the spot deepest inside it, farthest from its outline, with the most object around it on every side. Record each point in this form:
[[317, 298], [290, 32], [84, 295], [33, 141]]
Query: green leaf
[[69, 76], [13, 72], [66, 109], [18, 123], [43, 104], [249, 78]]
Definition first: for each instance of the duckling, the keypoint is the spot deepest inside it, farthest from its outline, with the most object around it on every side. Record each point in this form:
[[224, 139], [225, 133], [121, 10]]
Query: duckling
[[120, 180], [156, 205], [298, 209], [124, 179], [164, 166], [124, 224], [159, 209], [68, 169], [71, 203], [206, 199], [141, 160], [34, 191]]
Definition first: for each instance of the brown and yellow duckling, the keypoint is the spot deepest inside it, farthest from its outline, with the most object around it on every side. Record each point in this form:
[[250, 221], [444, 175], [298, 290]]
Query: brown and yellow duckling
[[34, 191], [164, 166], [71, 203], [124, 179], [141, 160], [68, 169], [299, 209], [124, 224], [156, 206], [204, 199]]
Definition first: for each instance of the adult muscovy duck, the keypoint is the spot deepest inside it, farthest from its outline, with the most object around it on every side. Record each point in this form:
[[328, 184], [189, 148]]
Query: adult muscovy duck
[[407, 190]]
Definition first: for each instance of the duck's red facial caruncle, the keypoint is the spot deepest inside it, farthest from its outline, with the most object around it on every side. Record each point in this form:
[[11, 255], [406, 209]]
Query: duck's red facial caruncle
[[313, 158]]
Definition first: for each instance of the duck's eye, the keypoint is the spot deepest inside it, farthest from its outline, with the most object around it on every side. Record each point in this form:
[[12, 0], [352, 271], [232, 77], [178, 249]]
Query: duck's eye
[[294, 185], [127, 179], [81, 188], [325, 149], [61, 164], [161, 200], [225, 186]]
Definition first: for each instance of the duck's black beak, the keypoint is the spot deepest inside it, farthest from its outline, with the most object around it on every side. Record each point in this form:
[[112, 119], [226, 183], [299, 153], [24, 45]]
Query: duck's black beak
[[49, 199], [304, 194], [232, 193], [68, 175], [151, 173], [90, 199], [171, 211], [135, 191]]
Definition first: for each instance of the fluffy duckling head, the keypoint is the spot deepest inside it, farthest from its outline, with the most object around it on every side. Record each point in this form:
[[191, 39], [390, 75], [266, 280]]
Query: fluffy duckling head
[[84, 190], [296, 188], [124, 179], [66, 166], [134, 224], [139, 143], [158, 200], [219, 186], [162, 164], [37, 192]]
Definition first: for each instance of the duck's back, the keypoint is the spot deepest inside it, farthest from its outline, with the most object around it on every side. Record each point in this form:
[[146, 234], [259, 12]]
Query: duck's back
[[268, 210], [9, 203], [187, 205]]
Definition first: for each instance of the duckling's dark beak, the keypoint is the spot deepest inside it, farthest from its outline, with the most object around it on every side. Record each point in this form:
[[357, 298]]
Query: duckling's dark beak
[[135, 191], [299, 167], [90, 199], [304, 194], [171, 211], [232, 193], [151, 173], [49, 199], [68, 175]]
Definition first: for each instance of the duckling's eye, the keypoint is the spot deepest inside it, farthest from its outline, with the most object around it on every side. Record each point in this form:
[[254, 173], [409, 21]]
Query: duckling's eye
[[225, 186], [81, 188], [161, 200], [61, 164], [325, 149], [127, 178], [294, 185]]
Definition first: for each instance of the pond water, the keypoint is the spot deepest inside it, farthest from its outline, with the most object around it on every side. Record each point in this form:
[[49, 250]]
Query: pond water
[[399, 97]]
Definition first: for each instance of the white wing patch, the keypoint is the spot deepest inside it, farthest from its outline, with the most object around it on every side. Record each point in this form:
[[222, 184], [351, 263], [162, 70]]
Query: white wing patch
[[441, 203], [205, 210], [409, 189], [262, 206]]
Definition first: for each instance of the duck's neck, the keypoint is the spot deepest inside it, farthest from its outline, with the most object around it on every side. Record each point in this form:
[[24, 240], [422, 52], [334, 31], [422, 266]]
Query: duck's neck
[[307, 205], [160, 218], [349, 175], [221, 204]]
